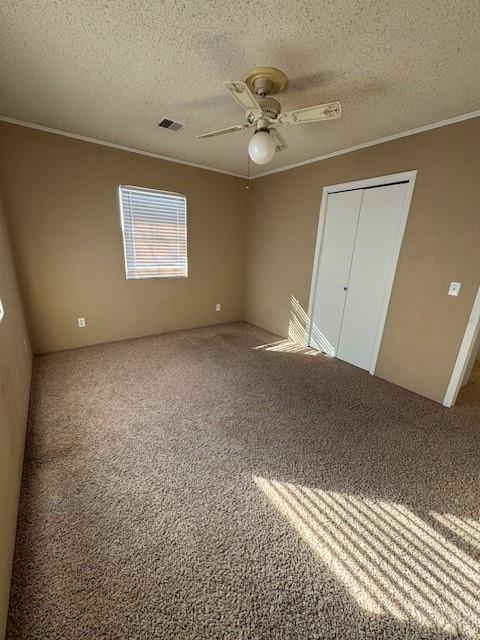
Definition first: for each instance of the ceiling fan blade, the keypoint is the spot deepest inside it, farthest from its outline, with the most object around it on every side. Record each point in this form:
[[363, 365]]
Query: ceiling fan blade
[[242, 94], [327, 111], [281, 144], [219, 132]]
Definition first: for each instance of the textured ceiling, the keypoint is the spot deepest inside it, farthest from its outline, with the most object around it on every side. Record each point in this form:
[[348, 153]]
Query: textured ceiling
[[112, 69]]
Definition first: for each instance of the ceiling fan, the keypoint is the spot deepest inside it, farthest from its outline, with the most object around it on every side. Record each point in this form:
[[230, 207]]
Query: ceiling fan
[[262, 111]]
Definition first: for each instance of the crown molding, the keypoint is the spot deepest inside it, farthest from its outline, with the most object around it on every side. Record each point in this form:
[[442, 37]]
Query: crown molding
[[364, 145], [114, 145], [333, 154]]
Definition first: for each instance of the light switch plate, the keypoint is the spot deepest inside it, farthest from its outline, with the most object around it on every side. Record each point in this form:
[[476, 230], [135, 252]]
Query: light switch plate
[[454, 289], [218, 307], [2, 312]]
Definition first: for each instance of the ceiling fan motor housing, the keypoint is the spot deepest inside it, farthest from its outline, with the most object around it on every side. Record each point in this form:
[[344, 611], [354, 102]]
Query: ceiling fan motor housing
[[270, 107], [263, 86]]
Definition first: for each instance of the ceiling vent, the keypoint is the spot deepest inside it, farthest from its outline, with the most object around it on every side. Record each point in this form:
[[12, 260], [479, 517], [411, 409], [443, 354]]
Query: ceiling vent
[[170, 124]]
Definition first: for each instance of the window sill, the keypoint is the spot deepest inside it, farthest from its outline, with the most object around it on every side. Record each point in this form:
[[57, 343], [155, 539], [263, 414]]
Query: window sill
[[158, 278]]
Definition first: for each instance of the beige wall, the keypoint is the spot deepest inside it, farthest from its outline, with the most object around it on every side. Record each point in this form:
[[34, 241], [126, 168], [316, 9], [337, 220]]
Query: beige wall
[[61, 201], [424, 325], [15, 369], [60, 195]]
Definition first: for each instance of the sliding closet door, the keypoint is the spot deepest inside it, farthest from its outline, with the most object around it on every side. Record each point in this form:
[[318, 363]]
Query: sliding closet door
[[378, 227], [334, 266]]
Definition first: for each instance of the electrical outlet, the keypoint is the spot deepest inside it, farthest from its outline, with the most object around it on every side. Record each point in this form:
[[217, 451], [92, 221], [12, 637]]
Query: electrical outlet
[[25, 344], [81, 322], [2, 312], [218, 307]]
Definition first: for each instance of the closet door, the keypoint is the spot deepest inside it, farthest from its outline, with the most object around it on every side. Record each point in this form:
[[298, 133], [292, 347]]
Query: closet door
[[336, 252], [378, 227]]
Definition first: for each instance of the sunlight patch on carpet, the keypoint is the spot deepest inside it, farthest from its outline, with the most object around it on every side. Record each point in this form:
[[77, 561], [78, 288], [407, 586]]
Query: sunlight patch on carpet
[[288, 346], [387, 558], [467, 529]]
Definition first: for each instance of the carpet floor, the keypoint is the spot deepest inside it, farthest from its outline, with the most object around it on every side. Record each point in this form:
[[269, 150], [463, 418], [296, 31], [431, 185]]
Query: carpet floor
[[221, 483]]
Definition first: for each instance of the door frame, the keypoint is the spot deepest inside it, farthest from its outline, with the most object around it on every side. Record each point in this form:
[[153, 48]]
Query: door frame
[[406, 176], [464, 353]]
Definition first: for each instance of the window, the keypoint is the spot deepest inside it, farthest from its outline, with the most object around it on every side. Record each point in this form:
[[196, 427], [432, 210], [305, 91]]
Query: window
[[154, 226]]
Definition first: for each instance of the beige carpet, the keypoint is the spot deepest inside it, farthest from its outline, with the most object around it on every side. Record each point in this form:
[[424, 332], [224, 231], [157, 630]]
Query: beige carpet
[[200, 485]]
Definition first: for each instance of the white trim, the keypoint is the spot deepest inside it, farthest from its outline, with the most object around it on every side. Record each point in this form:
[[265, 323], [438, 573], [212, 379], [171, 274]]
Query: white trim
[[408, 176], [114, 145], [372, 143], [333, 154], [464, 353], [316, 259]]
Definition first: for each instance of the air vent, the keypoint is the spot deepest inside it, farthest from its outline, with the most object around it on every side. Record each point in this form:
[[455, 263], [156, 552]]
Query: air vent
[[170, 124]]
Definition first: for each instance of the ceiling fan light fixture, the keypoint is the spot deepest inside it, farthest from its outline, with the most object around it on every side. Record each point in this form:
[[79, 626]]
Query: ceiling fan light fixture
[[261, 147], [264, 113]]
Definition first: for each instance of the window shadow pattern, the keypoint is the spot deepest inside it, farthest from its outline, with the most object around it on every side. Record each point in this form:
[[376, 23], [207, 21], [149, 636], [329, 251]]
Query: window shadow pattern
[[387, 558]]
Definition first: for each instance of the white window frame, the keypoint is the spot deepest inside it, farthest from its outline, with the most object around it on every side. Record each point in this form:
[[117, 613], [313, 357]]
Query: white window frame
[[125, 259]]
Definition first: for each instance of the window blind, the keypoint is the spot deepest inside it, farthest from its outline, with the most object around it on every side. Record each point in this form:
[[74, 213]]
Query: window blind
[[154, 226]]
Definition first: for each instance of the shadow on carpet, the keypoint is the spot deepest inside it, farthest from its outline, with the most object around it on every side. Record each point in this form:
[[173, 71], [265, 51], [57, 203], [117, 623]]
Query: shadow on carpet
[[213, 483]]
